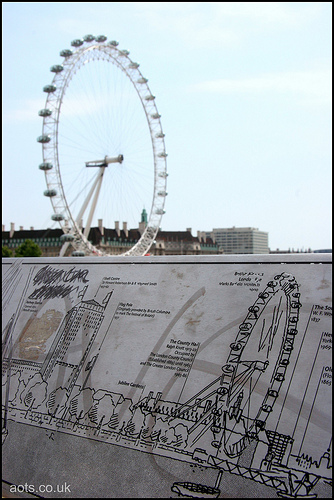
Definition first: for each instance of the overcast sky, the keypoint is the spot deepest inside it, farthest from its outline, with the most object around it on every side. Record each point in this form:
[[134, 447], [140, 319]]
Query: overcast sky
[[244, 93]]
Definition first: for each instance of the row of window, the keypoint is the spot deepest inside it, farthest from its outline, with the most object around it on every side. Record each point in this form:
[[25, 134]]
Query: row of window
[[118, 243], [39, 241], [41, 244]]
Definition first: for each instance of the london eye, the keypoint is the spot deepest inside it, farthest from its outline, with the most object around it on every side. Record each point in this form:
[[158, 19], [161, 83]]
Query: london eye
[[103, 146]]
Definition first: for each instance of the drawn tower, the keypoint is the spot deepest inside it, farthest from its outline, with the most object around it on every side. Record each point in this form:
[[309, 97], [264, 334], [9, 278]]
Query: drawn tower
[[73, 342]]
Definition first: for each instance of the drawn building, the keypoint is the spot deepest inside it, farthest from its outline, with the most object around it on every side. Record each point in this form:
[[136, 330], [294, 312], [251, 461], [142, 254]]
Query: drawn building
[[323, 466], [69, 351], [278, 444]]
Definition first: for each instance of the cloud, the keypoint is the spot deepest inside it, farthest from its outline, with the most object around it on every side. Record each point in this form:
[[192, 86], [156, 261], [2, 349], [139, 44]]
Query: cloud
[[78, 106], [28, 111], [194, 23], [224, 23], [263, 13], [309, 86]]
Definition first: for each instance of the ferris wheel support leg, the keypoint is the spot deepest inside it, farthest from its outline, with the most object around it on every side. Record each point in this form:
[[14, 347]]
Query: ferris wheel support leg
[[87, 200], [95, 187], [63, 249], [94, 202]]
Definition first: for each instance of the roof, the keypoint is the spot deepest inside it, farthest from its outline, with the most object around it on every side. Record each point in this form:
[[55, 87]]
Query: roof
[[95, 235], [176, 236], [92, 302], [33, 233]]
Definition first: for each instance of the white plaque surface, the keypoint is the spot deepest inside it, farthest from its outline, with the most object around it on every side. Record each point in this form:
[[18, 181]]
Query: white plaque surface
[[167, 376]]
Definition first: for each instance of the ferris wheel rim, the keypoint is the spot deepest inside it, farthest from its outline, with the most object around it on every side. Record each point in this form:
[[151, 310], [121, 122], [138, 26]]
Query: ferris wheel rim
[[87, 50], [287, 285]]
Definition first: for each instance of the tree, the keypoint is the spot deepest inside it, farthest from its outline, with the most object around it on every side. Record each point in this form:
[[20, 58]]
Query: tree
[[28, 249], [7, 252]]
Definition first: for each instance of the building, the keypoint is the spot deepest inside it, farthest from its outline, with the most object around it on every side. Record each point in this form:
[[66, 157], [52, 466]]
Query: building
[[183, 243], [115, 241], [87, 317], [240, 240], [47, 239]]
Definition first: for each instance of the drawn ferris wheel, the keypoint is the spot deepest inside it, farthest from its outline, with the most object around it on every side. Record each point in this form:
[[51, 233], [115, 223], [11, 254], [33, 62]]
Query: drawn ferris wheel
[[103, 146], [238, 403]]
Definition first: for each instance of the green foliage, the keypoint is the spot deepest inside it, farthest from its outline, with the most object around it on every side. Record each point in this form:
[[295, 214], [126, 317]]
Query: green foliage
[[7, 252], [28, 249]]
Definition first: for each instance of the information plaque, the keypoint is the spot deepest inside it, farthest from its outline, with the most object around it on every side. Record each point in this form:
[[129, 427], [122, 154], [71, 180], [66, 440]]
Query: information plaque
[[160, 377]]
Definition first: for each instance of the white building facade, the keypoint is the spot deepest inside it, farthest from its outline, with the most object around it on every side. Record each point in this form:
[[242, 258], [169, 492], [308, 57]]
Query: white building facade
[[240, 240]]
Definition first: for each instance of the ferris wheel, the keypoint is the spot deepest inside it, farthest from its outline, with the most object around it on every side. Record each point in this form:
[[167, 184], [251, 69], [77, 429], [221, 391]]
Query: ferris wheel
[[103, 148], [239, 402]]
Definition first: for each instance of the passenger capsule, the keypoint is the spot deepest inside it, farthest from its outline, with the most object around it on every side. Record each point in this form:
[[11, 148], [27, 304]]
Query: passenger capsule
[[215, 429], [134, 65], [160, 135], [49, 88], [244, 327], [44, 112], [162, 193], [67, 237], [56, 68], [57, 217], [78, 253], [155, 116], [162, 174], [162, 155], [66, 53], [216, 444], [222, 391], [89, 38], [253, 309], [149, 97], [160, 211], [288, 346], [45, 166], [44, 139], [227, 369], [101, 38], [142, 80], [236, 346], [77, 43], [124, 52], [113, 43], [50, 193]]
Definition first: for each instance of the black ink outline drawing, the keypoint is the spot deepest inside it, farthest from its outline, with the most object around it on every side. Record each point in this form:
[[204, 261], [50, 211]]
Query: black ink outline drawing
[[169, 428]]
